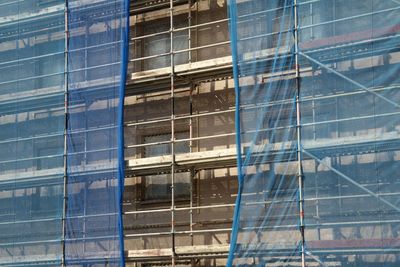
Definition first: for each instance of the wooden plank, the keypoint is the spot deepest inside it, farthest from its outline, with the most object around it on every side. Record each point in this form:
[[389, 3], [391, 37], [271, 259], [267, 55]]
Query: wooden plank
[[180, 251], [183, 69], [182, 159]]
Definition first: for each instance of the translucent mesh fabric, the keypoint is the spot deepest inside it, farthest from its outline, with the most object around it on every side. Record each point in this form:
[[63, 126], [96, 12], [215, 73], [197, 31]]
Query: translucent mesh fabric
[[349, 58], [96, 60], [266, 213], [32, 125], [349, 101], [31, 132]]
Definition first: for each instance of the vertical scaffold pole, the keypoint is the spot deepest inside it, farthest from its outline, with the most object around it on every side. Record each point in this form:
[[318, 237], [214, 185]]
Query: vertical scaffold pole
[[171, 14], [65, 134], [298, 130], [192, 171], [190, 31]]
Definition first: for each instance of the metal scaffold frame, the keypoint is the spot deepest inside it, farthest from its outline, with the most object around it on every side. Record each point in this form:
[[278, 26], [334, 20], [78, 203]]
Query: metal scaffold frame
[[23, 97], [183, 77], [175, 256], [65, 156]]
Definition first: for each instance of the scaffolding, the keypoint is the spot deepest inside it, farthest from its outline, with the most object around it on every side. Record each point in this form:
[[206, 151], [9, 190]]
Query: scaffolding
[[56, 161], [324, 166], [181, 72], [180, 150], [32, 136], [179, 134]]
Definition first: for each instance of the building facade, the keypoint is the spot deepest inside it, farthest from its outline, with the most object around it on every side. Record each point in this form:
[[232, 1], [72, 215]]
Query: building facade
[[302, 95]]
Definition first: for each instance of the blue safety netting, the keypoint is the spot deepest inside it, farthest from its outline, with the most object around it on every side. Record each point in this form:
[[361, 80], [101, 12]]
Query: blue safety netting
[[31, 132], [97, 55], [326, 140]]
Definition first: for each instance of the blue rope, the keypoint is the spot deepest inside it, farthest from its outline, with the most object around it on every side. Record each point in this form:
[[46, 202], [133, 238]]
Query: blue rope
[[121, 156], [236, 216]]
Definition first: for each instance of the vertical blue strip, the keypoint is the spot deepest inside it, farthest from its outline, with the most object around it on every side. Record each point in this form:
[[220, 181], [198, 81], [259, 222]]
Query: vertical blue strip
[[121, 154], [234, 48]]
